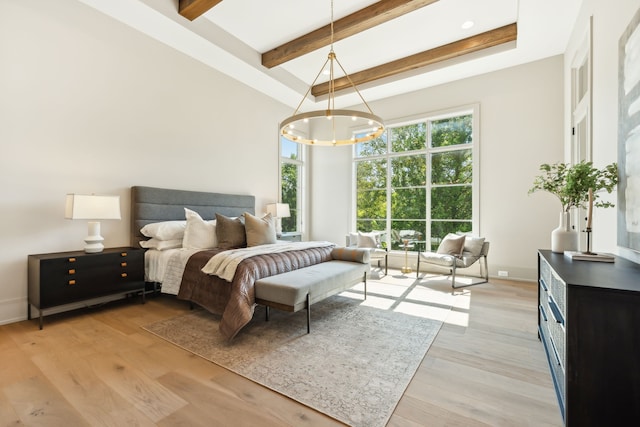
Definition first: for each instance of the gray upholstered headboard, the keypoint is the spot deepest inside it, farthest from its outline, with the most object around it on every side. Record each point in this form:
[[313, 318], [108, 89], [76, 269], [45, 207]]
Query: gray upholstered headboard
[[149, 204]]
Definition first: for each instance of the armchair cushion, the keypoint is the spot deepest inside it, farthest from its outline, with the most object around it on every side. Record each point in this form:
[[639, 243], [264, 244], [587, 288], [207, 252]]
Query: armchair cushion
[[452, 244], [443, 260]]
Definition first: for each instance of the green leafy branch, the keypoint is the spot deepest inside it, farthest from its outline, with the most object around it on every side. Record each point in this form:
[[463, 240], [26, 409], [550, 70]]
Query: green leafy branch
[[571, 184]]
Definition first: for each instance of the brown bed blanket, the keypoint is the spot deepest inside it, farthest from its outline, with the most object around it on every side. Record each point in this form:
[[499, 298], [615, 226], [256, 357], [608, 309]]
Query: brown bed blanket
[[235, 301]]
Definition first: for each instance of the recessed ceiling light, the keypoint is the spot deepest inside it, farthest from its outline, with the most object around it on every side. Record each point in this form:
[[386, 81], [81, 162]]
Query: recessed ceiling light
[[467, 24]]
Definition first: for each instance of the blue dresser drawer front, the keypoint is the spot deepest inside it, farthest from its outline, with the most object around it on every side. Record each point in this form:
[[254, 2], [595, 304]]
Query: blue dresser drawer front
[[555, 366]]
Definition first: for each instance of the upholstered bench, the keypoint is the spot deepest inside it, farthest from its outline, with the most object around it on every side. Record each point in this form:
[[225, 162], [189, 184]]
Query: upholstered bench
[[299, 289]]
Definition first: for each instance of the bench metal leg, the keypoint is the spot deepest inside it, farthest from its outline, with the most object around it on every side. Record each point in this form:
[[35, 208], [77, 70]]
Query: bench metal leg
[[308, 314], [266, 312], [365, 285]]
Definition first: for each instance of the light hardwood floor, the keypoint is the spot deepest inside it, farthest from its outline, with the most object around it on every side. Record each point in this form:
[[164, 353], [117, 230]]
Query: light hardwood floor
[[98, 367]]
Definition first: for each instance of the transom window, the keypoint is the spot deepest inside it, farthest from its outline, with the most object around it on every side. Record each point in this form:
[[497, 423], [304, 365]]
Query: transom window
[[417, 181]]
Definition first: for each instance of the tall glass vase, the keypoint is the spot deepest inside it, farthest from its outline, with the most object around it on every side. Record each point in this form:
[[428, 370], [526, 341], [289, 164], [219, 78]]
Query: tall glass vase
[[564, 238]]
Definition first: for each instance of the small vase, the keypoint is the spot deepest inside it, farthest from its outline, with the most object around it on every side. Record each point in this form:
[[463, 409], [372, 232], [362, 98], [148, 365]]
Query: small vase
[[564, 238]]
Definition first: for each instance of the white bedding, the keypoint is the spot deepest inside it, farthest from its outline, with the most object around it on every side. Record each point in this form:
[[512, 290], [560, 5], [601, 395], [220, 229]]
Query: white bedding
[[174, 270], [166, 267], [155, 263]]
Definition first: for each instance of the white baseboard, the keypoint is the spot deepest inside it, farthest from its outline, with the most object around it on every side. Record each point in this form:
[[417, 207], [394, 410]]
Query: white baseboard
[[13, 310]]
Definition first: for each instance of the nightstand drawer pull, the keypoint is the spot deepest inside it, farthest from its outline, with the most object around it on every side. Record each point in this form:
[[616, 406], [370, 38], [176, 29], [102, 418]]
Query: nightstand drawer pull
[[72, 260], [72, 282], [123, 275], [123, 254], [72, 271], [123, 264]]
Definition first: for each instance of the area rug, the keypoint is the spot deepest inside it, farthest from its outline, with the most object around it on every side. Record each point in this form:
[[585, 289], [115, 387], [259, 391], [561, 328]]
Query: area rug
[[354, 365]]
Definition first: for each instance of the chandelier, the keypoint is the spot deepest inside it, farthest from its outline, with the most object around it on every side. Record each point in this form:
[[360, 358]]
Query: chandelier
[[330, 126]]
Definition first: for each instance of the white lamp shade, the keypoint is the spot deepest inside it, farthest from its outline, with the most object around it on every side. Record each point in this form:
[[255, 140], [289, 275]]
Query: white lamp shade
[[81, 206], [279, 210]]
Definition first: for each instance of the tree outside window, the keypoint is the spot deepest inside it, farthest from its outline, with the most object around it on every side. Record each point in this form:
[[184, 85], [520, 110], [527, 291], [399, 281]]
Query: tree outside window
[[415, 181], [291, 173]]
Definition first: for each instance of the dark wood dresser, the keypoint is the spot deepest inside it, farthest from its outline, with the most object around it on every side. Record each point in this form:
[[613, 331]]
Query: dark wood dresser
[[589, 323], [57, 279]]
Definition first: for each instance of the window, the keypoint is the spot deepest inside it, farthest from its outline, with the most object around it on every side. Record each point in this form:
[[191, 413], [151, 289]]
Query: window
[[291, 179], [417, 181]]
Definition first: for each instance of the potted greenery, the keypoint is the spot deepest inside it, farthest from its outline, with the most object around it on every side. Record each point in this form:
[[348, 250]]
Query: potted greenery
[[571, 185]]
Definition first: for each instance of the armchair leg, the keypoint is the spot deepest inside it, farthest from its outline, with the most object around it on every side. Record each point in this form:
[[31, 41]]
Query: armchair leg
[[486, 269], [453, 276], [386, 264], [484, 276]]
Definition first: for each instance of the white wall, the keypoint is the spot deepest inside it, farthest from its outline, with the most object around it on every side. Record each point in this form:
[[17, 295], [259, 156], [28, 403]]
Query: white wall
[[608, 24], [521, 123], [524, 121], [88, 105]]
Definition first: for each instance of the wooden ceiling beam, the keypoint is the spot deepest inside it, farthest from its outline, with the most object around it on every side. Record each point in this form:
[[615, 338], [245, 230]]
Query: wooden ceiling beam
[[191, 9], [364, 19], [471, 44]]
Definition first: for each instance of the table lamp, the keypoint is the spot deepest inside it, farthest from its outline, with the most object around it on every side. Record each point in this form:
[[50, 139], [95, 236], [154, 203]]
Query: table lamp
[[92, 207], [279, 210]]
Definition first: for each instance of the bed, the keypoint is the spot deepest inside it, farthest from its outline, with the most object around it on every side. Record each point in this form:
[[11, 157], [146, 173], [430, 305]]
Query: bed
[[179, 270]]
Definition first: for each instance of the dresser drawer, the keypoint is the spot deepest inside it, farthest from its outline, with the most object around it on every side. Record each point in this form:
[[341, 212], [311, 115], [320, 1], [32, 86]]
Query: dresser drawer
[[84, 285], [556, 365], [544, 272], [558, 291]]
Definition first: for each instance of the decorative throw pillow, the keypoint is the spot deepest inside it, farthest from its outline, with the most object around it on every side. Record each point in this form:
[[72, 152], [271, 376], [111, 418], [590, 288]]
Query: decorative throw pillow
[[259, 231], [452, 244], [473, 245], [164, 230], [199, 234], [368, 240], [230, 232], [161, 245]]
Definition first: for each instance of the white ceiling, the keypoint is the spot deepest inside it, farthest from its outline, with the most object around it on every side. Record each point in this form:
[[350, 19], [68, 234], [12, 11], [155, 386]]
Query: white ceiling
[[232, 35]]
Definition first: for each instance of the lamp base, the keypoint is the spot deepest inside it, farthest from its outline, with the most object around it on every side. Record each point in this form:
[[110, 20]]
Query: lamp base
[[94, 239]]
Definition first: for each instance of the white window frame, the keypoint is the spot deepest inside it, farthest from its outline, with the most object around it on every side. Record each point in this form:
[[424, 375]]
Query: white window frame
[[302, 181], [474, 110]]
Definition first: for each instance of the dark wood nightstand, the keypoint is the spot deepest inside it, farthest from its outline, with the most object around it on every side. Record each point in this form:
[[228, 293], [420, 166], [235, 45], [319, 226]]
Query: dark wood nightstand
[[57, 279]]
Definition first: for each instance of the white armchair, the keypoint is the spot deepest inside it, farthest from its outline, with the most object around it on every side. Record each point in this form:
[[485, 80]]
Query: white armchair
[[456, 252], [375, 242]]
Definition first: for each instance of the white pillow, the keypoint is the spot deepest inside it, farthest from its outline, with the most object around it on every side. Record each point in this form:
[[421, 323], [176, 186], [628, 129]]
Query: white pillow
[[161, 245], [452, 244], [368, 240], [473, 245], [164, 230], [199, 234]]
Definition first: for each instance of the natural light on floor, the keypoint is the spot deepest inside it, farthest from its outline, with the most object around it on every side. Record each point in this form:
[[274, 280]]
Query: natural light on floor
[[430, 297]]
